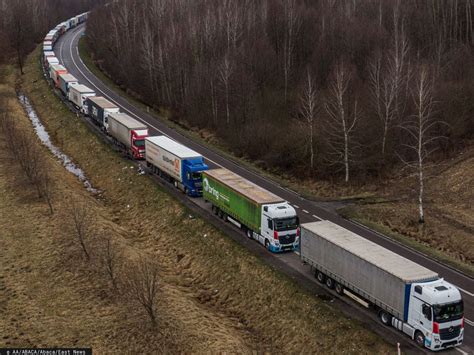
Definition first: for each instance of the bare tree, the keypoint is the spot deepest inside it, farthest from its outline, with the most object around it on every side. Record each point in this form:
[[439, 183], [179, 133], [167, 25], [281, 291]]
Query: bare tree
[[141, 284], [292, 25], [83, 223], [421, 128], [309, 110], [110, 259], [20, 29], [225, 71], [343, 117]]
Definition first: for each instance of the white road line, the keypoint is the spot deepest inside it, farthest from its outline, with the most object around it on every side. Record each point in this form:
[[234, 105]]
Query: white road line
[[305, 211], [462, 351], [296, 206], [470, 322], [466, 292], [317, 217]]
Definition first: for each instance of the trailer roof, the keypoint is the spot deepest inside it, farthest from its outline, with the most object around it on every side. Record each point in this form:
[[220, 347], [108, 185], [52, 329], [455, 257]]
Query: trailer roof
[[392, 263], [128, 121], [243, 186], [102, 102], [174, 147], [68, 77], [82, 89], [58, 67]]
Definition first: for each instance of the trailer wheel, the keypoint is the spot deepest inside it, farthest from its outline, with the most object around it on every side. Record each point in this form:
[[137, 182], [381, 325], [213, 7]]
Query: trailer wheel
[[249, 234], [320, 276], [219, 212], [329, 283], [419, 338], [386, 318], [339, 288]]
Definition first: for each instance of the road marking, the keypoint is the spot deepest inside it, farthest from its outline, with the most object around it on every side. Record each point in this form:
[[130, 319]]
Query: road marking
[[470, 322], [466, 292], [462, 351], [319, 218], [296, 206], [305, 211]]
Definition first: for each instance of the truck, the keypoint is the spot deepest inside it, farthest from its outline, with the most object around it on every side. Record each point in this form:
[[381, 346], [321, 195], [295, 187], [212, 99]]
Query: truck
[[78, 95], [128, 133], [262, 215], [47, 46], [49, 61], [406, 296], [54, 71], [66, 81], [99, 108], [176, 163]]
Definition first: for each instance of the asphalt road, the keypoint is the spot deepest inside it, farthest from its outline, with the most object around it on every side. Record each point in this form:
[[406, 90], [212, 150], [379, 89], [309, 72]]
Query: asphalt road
[[67, 52]]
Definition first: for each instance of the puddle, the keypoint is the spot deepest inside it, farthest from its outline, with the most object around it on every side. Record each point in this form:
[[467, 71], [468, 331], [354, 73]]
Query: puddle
[[46, 140]]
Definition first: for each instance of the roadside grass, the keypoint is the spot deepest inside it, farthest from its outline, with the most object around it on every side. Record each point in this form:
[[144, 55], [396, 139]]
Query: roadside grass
[[218, 296], [312, 190]]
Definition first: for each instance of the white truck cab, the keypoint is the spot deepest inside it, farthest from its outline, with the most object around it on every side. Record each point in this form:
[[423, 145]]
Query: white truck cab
[[436, 314], [279, 227]]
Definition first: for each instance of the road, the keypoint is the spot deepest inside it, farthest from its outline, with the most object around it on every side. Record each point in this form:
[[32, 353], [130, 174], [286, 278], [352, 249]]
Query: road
[[67, 52]]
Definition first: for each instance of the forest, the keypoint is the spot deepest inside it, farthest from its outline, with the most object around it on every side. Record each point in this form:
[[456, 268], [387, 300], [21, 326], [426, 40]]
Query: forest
[[24, 23], [345, 89]]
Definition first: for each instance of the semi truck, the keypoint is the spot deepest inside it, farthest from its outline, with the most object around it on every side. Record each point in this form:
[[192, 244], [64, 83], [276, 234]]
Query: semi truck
[[47, 46], [178, 164], [128, 133], [51, 61], [99, 108], [407, 296], [78, 95], [66, 81], [54, 71], [263, 216]]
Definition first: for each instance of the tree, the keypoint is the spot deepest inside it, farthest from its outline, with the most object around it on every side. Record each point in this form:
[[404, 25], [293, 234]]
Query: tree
[[343, 117], [110, 259], [82, 222], [141, 284], [309, 110], [421, 128], [20, 29]]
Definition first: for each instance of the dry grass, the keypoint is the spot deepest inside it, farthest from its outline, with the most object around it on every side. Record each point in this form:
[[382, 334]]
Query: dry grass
[[214, 296]]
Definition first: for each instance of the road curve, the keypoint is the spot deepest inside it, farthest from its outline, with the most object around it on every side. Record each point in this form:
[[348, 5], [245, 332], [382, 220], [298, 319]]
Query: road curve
[[67, 52]]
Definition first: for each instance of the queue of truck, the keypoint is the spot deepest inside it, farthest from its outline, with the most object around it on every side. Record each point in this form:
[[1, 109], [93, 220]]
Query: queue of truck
[[405, 295]]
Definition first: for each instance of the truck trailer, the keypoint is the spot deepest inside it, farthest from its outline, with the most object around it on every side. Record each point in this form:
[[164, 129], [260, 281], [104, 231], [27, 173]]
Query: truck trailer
[[178, 164], [49, 61], [99, 108], [47, 46], [54, 71], [407, 296], [263, 216], [78, 95], [66, 81], [128, 133]]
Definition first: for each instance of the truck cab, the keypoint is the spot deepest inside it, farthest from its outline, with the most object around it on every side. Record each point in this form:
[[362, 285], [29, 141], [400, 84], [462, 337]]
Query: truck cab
[[436, 313], [137, 143], [280, 227], [192, 175]]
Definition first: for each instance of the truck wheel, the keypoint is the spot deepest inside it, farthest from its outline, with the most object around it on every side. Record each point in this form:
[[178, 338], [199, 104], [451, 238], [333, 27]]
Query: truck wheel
[[420, 338], [320, 276], [329, 283], [386, 319], [185, 190], [339, 288], [219, 213], [267, 244], [249, 234]]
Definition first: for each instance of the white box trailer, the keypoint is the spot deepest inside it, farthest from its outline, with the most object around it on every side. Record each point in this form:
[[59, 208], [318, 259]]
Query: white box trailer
[[51, 61], [406, 295], [78, 95], [54, 71], [128, 132], [66, 81], [47, 46]]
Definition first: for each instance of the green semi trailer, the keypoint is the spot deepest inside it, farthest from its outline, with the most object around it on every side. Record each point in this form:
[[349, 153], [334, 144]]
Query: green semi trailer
[[262, 215]]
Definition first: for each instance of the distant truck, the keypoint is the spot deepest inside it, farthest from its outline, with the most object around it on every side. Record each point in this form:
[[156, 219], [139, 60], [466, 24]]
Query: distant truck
[[54, 71], [407, 296], [66, 81], [263, 216], [178, 164], [78, 95], [128, 133], [49, 61], [47, 46], [99, 108]]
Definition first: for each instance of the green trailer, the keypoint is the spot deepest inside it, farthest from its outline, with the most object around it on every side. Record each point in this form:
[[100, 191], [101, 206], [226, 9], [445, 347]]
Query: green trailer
[[263, 215]]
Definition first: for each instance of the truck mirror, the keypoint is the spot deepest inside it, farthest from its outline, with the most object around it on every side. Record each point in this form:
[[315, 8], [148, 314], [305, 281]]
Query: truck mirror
[[419, 290], [265, 208]]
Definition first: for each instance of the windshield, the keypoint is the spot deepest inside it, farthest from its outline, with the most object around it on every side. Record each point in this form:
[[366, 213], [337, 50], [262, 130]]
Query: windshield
[[196, 176], [286, 224], [447, 312], [139, 143]]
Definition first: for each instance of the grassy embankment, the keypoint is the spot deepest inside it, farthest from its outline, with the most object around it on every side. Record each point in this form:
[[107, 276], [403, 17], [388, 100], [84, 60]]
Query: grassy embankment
[[213, 295], [390, 210]]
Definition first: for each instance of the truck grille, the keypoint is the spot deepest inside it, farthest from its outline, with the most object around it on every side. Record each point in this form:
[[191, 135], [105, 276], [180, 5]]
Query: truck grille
[[287, 239], [450, 333]]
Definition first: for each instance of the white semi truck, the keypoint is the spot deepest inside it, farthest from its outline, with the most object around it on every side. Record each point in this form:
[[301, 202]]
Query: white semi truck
[[78, 95], [407, 296], [128, 133]]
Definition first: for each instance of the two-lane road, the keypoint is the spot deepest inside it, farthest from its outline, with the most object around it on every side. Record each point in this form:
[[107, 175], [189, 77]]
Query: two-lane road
[[67, 51]]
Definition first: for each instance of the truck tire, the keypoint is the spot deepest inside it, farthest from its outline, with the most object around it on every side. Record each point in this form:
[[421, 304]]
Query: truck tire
[[249, 234], [267, 244], [329, 283], [339, 288], [320, 276], [419, 338], [385, 318]]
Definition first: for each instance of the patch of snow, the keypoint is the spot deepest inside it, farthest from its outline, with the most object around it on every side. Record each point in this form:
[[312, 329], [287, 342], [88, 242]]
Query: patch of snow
[[46, 140]]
